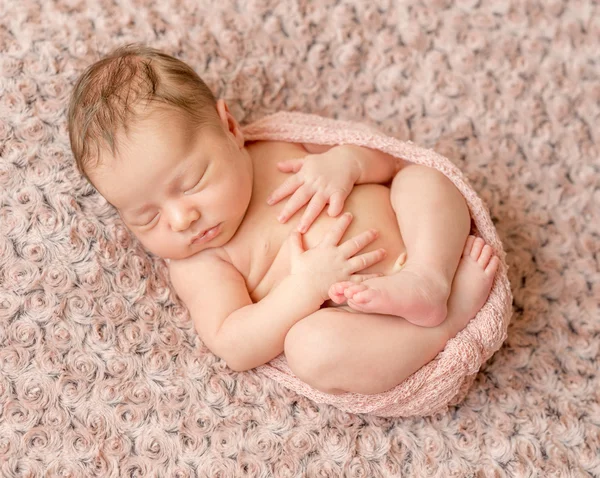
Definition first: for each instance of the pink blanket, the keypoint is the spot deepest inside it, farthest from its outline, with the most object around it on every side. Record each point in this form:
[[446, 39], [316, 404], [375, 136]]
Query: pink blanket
[[446, 379]]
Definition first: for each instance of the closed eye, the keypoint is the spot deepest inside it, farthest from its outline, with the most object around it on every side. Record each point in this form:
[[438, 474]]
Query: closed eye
[[194, 188], [147, 223]]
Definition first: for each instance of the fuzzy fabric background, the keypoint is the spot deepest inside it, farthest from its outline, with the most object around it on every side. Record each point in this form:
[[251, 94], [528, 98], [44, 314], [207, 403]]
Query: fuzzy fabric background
[[101, 373]]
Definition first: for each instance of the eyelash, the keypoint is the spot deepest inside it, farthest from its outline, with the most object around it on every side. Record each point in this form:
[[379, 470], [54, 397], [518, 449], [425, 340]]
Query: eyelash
[[150, 221], [193, 188], [189, 191]]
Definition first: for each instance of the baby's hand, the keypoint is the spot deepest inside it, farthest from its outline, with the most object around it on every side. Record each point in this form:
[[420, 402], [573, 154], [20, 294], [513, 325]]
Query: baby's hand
[[328, 263], [319, 178]]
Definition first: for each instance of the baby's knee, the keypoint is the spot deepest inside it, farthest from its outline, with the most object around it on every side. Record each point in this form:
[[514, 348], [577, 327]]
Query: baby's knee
[[420, 175]]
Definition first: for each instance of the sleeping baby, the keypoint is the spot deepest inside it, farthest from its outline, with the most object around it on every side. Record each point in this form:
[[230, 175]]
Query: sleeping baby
[[356, 264]]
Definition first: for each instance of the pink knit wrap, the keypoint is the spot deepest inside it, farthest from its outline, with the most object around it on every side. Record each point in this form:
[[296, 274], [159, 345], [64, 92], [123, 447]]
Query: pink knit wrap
[[446, 379]]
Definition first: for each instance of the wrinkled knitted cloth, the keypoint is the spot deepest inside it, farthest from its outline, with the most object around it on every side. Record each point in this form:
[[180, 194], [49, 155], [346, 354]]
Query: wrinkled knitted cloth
[[446, 379]]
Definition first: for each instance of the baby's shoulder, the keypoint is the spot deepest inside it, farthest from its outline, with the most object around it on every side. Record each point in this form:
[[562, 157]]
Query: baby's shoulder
[[187, 274]]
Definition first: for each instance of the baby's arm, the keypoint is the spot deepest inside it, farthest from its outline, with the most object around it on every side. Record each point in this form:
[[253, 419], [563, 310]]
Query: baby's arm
[[240, 332], [375, 166], [327, 177], [247, 334]]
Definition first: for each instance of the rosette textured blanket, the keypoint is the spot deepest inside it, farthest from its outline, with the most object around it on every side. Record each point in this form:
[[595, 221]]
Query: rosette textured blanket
[[101, 371], [445, 379]]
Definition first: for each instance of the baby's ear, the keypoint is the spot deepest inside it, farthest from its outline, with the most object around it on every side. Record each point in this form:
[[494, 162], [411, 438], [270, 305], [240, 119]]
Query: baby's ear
[[229, 122]]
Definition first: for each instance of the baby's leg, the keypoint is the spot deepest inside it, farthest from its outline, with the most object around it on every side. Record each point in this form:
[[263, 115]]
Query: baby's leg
[[337, 351], [434, 222]]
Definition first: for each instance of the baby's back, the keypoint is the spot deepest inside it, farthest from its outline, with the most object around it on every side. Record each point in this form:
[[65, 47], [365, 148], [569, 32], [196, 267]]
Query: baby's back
[[259, 248]]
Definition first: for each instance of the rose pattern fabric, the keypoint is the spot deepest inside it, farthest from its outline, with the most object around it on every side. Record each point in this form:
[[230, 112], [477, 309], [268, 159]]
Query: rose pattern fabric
[[101, 372]]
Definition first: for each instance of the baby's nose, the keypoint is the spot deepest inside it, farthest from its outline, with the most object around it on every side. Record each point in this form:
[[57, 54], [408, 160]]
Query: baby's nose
[[182, 218]]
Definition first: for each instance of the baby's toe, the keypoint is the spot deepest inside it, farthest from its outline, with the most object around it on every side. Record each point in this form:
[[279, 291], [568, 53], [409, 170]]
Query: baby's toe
[[486, 255], [477, 248], [337, 299], [336, 291], [354, 289], [492, 267], [364, 296], [342, 286], [336, 296]]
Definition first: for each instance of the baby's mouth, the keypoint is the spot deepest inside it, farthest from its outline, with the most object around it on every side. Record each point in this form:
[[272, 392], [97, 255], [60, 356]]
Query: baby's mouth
[[206, 235]]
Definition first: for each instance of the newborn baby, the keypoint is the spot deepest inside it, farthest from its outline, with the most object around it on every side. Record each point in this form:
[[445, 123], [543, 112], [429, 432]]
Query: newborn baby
[[356, 264]]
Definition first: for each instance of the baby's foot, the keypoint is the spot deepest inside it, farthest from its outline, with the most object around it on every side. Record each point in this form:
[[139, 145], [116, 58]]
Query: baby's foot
[[336, 291], [472, 284], [414, 293]]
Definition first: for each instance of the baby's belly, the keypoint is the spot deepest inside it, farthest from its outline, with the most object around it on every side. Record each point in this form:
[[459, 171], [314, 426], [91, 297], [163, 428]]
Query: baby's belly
[[371, 208]]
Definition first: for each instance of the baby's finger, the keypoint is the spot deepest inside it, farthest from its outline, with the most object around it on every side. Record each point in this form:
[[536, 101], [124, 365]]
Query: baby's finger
[[358, 263], [296, 243], [290, 165], [358, 242], [298, 199], [290, 185], [314, 208], [334, 235], [336, 203]]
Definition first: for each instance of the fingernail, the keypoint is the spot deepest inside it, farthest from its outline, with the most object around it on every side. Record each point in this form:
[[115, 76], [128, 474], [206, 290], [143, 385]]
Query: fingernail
[[269, 201], [280, 218], [302, 228]]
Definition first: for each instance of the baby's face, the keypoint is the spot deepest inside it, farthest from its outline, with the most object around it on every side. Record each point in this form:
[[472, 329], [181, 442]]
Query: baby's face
[[179, 190]]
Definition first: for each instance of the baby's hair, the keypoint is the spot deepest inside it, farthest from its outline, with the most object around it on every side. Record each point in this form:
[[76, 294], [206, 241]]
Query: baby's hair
[[104, 99]]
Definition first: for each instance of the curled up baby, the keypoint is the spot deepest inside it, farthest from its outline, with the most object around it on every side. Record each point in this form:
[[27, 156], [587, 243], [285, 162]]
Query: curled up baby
[[355, 264]]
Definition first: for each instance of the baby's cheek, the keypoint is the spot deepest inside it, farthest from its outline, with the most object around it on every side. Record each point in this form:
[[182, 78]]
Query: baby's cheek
[[151, 242]]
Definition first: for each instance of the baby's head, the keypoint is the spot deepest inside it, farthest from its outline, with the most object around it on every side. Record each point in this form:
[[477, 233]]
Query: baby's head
[[150, 136]]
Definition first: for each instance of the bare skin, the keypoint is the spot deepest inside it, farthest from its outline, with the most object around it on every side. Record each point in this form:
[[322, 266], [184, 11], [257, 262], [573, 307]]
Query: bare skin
[[201, 199], [408, 290], [368, 354], [434, 222]]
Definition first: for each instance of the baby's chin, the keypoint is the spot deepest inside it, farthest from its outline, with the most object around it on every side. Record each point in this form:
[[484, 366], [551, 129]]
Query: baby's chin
[[176, 256], [170, 254], [167, 253]]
